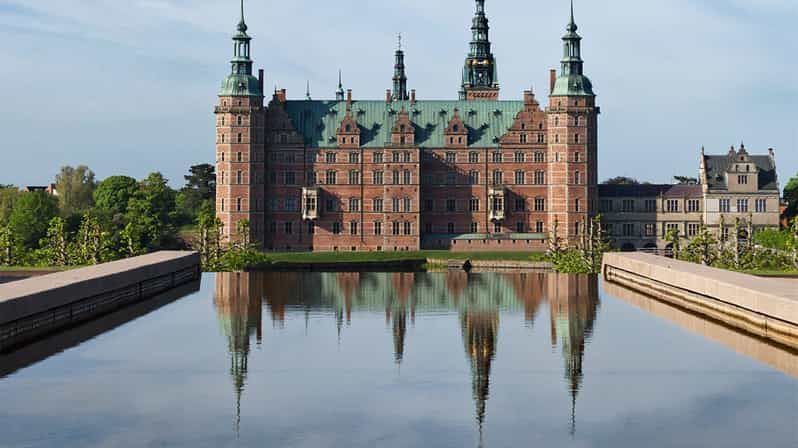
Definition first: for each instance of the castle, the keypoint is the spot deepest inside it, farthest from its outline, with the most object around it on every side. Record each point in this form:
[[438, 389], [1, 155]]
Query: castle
[[402, 173]]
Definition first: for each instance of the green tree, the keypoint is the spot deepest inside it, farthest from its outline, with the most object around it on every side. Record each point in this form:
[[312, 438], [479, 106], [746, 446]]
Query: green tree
[[91, 242], [30, 218], [674, 239], [622, 180], [200, 187], [56, 244], [75, 187], [113, 194], [209, 244], [8, 197], [791, 196], [149, 215], [6, 246], [703, 248], [794, 242]]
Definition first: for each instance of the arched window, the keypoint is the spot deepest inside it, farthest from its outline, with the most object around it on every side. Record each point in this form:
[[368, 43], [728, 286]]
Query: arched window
[[239, 138], [455, 128], [238, 120], [556, 121], [222, 138], [239, 177], [223, 120], [348, 128], [222, 204], [238, 204], [523, 138]]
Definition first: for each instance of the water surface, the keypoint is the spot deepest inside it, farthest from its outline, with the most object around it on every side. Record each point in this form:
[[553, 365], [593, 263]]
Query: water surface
[[402, 359]]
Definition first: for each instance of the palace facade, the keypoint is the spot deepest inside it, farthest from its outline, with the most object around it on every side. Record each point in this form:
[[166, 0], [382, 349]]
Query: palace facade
[[403, 173]]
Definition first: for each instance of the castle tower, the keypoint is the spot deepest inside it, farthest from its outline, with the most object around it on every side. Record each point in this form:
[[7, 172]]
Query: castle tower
[[399, 76], [573, 142], [480, 77], [240, 144]]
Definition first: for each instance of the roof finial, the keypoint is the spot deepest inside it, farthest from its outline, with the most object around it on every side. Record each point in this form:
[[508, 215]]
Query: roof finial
[[399, 38], [340, 82], [307, 91], [242, 25], [572, 24]]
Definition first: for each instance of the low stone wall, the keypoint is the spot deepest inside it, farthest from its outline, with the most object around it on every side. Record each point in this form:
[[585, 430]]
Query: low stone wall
[[764, 307], [33, 307]]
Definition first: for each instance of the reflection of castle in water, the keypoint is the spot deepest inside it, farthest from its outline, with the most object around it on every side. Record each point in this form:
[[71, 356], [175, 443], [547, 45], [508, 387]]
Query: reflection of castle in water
[[479, 299]]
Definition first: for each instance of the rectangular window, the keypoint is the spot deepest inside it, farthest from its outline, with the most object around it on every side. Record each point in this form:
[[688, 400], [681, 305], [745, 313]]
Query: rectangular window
[[692, 229], [354, 204], [577, 157], [724, 205], [354, 177], [378, 228], [311, 227], [353, 228], [354, 157], [331, 177], [520, 205], [742, 180], [540, 177], [651, 205], [396, 157], [378, 177], [473, 177], [473, 157], [429, 205], [497, 157], [406, 156], [693, 205], [395, 203], [377, 157], [540, 204], [628, 229], [519, 227], [377, 205], [519, 157], [311, 176], [290, 178], [451, 205], [578, 205], [742, 206], [540, 157], [671, 227], [396, 227], [396, 176], [408, 177], [520, 178], [474, 227], [408, 205], [451, 157], [330, 205], [450, 227], [761, 206], [672, 206], [628, 205], [539, 227], [577, 178], [336, 228], [330, 157], [498, 177], [497, 227], [451, 178], [408, 228], [473, 205], [289, 228], [651, 229]]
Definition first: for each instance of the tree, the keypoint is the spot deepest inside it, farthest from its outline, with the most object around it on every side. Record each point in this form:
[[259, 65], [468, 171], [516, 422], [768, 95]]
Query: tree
[[200, 187], [674, 240], [210, 237], [684, 180], [56, 244], [8, 196], [6, 246], [794, 242], [30, 218], [791, 196], [621, 180], [149, 215], [90, 242], [75, 187], [113, 194]]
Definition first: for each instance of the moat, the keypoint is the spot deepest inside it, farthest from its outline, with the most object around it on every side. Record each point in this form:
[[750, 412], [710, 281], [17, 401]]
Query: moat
[[401, 359]]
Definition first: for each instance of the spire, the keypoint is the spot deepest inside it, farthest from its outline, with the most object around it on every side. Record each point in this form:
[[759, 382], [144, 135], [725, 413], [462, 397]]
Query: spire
[[242, 25], [479, 72], [572, 80], [339, 93], [399, 76], [240, 82], [307, 92]]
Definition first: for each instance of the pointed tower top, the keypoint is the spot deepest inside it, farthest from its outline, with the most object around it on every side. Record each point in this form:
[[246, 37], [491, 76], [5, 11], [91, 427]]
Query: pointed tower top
[[242, 25], [339, 93], [399, 38], [572, 24], [307, 92]]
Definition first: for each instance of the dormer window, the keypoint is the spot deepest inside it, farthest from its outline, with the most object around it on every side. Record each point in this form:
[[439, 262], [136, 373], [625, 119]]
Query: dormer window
[[348, 128], [455, 128]]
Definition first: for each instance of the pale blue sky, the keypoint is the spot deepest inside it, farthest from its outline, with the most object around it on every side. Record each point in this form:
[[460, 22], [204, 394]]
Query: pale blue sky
[[128, 86]]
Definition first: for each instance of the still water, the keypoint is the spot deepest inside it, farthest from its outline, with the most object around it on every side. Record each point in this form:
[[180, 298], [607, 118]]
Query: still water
[[400, 360]]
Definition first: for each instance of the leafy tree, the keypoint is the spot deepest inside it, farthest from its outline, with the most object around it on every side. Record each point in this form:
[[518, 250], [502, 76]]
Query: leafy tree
[[30, 218], [622, 180], [149, 215], [113, 194], [210, 237], [6, 246], [794, 242], [685, 180], [56, 244], [75, 187], [200, 187], [703, 248], [8, 196], [91, 242], [791, 196], [675, 241]]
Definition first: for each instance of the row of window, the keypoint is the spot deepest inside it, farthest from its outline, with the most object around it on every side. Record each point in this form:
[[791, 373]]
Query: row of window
[[397, 228], [450, 157], [760, 206]]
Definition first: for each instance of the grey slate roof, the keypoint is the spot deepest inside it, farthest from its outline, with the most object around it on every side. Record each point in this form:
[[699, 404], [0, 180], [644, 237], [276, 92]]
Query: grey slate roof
[[716, 167], [486, 121]]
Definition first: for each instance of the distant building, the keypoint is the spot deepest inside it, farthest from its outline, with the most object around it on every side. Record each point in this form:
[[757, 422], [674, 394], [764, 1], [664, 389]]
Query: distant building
[[732, 186], [49, 189]]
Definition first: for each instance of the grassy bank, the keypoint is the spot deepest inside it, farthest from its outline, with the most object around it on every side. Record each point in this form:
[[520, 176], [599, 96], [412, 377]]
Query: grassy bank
[[773, 273], [18, 269]]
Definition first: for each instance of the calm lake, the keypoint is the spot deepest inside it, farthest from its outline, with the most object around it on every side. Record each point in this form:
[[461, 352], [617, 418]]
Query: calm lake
[[400, 360]]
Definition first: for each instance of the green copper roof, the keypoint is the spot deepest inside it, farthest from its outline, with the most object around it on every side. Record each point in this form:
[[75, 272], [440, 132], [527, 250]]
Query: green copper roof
[[487, 121], [240, 85], [573, 85]]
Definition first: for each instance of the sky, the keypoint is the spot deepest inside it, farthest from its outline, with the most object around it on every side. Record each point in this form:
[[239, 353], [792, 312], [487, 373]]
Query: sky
[[128, 86]]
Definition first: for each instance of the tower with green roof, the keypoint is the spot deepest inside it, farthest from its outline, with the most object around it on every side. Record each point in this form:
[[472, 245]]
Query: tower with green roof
[[573, 141], [240, 143]]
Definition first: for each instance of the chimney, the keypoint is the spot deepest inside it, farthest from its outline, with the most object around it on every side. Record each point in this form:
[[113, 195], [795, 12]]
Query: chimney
[[529, 97], [772, 153], [413, 96], [387, 95], [260, 80], [281, 95], [552, 80], [348, 97]]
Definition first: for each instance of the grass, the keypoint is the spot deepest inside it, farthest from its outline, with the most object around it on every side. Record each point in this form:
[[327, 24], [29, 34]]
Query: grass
[[773, 273], [35, 268], [357, 257]]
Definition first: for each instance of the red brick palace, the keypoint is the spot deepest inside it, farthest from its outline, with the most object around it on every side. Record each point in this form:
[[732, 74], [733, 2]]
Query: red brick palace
[[402, 173]]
